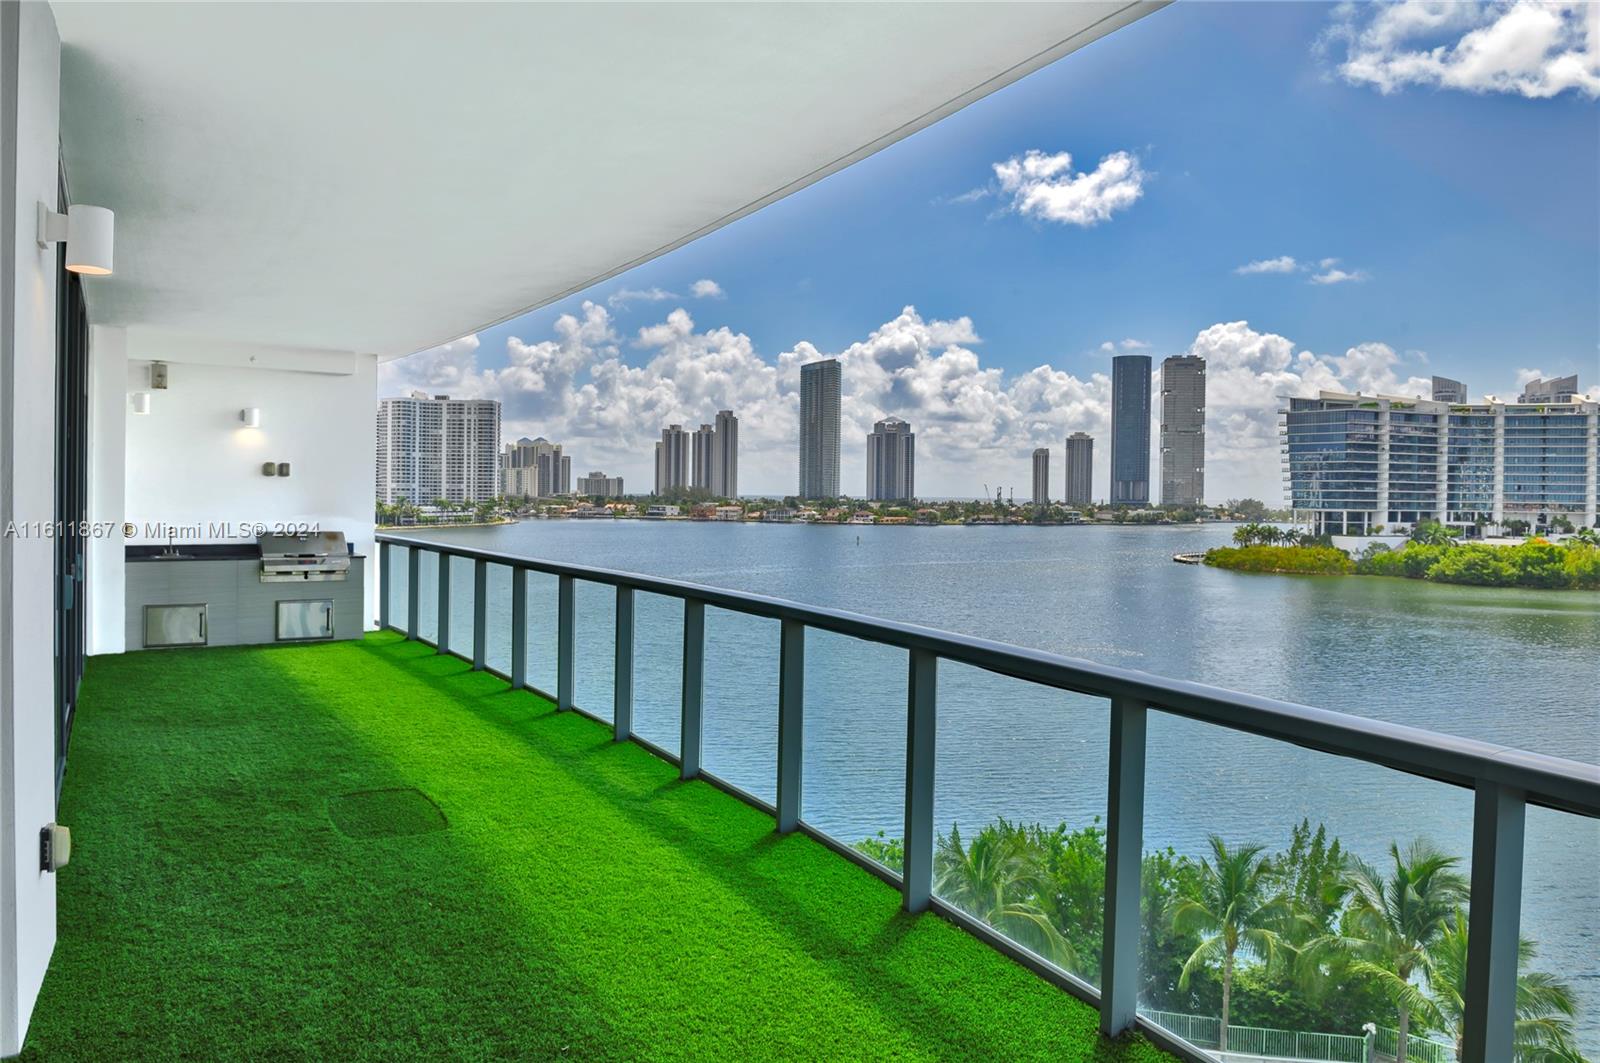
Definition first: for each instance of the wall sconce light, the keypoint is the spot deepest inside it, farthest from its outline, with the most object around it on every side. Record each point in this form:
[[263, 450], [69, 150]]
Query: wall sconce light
[[88, 233], [250, 417], [141, 402]]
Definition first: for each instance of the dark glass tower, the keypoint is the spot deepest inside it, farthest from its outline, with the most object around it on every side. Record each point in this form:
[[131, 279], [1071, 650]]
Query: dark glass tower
[[1130, 429]]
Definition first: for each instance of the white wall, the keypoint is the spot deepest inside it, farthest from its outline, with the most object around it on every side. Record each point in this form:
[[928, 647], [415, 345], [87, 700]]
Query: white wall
[[190, 461], [30, 75], [108, 420]]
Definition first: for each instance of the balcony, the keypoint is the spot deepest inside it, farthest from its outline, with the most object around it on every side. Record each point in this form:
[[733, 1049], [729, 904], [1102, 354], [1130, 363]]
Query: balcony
[[281, 864]]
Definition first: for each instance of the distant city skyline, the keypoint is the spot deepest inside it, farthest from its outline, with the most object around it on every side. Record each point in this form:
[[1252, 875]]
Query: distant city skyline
[[1259, 234]]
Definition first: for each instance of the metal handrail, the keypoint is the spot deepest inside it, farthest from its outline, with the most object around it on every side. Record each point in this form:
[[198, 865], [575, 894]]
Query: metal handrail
[[1505, 780]]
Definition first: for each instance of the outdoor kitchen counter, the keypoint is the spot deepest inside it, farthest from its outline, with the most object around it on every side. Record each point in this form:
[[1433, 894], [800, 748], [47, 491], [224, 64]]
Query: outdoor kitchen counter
[[213, 595]]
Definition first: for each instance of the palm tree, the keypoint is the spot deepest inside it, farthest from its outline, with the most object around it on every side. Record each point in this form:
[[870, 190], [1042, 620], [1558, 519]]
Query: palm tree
[[1236, 910], [996, 879], [1545, 1006], [1395, 923]]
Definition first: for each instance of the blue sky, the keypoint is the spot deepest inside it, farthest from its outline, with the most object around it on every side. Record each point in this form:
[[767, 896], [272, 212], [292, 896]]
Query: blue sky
[[1435, 180]]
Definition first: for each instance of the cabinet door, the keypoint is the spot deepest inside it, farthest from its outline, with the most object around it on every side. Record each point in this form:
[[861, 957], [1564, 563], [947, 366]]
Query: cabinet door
[[174, 625], [300, 621]]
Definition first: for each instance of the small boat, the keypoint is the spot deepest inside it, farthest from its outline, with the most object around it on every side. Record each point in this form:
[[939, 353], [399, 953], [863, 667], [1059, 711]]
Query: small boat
[[1189, 559]]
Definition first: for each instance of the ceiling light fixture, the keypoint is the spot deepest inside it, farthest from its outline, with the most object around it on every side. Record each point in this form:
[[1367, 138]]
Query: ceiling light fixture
[[88, 233]]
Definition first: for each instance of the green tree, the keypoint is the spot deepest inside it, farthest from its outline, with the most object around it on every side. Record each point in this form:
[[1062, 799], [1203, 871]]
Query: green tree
[[1395, 922], [1545, 1005], [1236, 912], [996, 879], [1432, 533]]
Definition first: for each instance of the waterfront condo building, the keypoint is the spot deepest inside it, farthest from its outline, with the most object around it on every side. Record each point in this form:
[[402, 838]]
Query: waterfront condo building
[[1080, 469], [1359, 462], [702, 454], [725, 456], [819, 429], [598, 485], [1556, 389], [1447, 390], [432, 447], [1041, 476], [672, 460], [1183, 430], [1130, 429], [535, 468], [891, 461]]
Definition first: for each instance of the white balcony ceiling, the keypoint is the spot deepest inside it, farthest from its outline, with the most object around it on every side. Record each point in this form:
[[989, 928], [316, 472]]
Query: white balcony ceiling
[[384, 177]]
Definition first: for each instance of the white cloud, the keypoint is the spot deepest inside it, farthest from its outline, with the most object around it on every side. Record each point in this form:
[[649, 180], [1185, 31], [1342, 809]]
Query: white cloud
[[623, 296], [1124, 345], [974, 423], [1281, 264], [1339, 276], [706, 288], [1046, 187], [1527, 48]]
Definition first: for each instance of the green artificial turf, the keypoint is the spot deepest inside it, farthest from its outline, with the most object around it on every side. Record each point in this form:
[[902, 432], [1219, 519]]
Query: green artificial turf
[[503, 882]]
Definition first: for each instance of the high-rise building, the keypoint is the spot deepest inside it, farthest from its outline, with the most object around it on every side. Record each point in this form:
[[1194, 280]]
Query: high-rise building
[[702, 457], [1183, 430], [535, 468], [1556, 389], [1080, 469], [891, 461], [1130, 429], [438, 447], [725, 456], [598, 485], [819, 429], [1041, 477], [1447, 390], [672, 460], [1357, 462]]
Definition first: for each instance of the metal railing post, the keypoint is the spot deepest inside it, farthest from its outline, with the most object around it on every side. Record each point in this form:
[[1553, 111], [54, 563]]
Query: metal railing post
[[413, 612], [1119, 947], [385, 574], [480, 615], [622, 699], [519, 628], [694, 687], [921, 720], [1493, 923], [791, 721], [566, 637], [444, 603]]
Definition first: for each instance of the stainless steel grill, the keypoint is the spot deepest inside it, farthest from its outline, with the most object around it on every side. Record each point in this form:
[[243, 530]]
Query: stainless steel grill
[[303, 558]]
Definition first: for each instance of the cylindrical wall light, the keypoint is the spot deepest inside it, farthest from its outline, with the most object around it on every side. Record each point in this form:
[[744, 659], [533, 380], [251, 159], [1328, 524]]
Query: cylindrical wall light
[[88, 233], [250, 417], [141, 402]]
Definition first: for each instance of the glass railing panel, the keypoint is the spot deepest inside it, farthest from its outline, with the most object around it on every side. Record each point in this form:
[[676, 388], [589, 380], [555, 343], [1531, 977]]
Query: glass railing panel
[[658, 669], [541, 620], [741, 701], [1293, 854], [1019, 812], [594, 652], [395, 588], [497, 632], [1561, 925], [428, 595], [462, 595], [854, 776]]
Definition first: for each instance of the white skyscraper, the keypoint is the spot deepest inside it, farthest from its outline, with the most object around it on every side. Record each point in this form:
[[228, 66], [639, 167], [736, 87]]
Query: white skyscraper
[[672, 460], [1041, 476], [703, 458], [1080, 469], [535, 468], [438, 447]]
